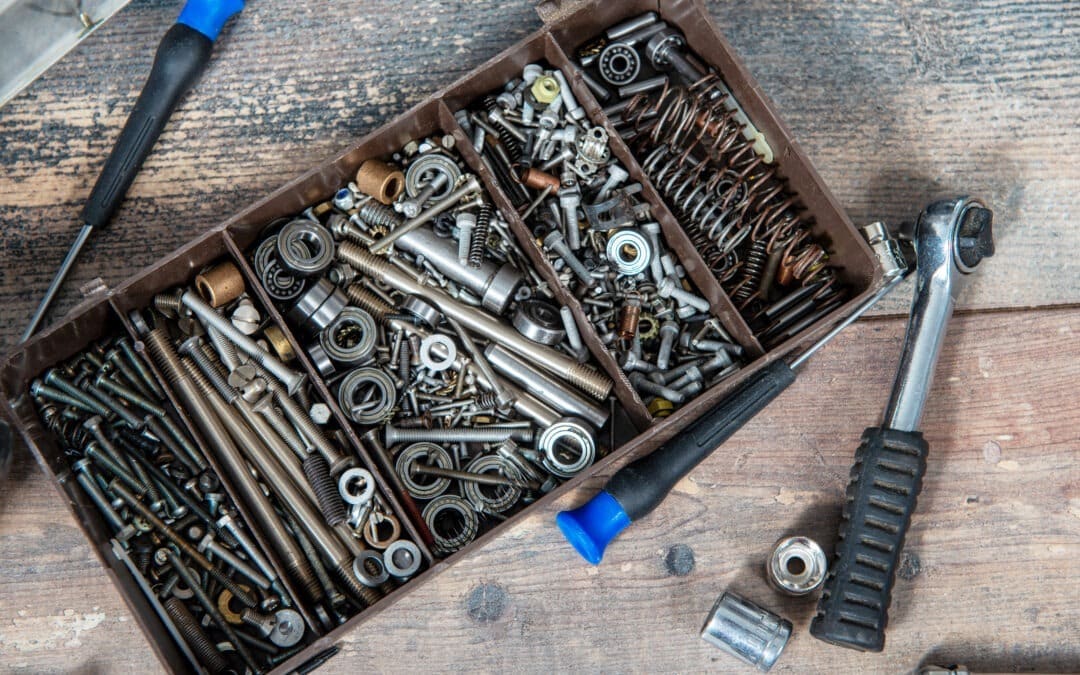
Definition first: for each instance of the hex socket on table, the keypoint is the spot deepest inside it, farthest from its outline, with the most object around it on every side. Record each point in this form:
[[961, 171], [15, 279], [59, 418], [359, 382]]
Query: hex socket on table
[[587, 379]]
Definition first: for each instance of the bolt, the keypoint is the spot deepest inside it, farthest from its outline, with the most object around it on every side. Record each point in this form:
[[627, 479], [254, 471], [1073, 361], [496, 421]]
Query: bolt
[[395, 435], [39, 390], [466, 223], [140, 367], [716, 346], [480, 478], [194, 635], [670, 288], [89, 483], [115, 362], [209, 545], [227, 524], [718, 361], [469, 186], [53, 379], [691, 389], [656, 269], [290, 378], [631, 362], [102, 381], [123, 412], [616, 176], [569, 201], [644, 385], [557, 243], [692, 374], [669, 330]]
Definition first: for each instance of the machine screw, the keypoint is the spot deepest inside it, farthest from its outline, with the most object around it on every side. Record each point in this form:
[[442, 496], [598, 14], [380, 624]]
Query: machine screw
[[53, 379], [644, 385], [140, 367], [102, 381], [557, 243], [395, 435], [669, 330], [39, 390], [669, 288]]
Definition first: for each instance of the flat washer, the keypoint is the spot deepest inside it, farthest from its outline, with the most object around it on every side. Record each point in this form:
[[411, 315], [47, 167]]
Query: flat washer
[[430, 360], [350, 478]]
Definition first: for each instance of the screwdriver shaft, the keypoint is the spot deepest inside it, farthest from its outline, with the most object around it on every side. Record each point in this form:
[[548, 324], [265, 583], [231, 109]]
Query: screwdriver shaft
[[58, 281]]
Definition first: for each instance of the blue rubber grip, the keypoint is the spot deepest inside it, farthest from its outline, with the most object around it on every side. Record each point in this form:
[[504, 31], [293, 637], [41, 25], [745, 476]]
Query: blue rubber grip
[[209, 16]]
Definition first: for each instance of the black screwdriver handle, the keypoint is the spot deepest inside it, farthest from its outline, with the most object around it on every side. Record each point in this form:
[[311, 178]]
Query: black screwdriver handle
[[180, 59], [884, 486], [639, 487]]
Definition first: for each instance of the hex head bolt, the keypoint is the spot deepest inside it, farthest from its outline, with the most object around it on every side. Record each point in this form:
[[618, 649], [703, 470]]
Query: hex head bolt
[[669, 288], [287, 376], [556, 243], [952, 238], [669, 330], [647, 386]]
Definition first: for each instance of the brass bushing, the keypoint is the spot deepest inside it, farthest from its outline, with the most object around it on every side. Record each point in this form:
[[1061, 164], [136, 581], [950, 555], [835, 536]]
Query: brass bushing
[[279, 343], [535, 179], [229, 611], [221, 284], [383, 181]]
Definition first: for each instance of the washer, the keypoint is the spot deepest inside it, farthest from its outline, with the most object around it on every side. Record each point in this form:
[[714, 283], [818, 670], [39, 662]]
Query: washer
[[434, 362], [402, 559], [363, 575], [348, 482]]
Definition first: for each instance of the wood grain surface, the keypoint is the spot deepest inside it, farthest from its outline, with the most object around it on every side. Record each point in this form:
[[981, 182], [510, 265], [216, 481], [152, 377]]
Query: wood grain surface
[[896, 103]]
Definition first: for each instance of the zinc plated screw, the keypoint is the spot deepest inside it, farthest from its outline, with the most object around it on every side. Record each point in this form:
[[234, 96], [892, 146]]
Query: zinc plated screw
[[669, 330], [53, 379], [557, 243], [395, 435], [140, 368], [210, 545], [644, 385], [102, 381], [88, 481], [669, 288], [39, 390]]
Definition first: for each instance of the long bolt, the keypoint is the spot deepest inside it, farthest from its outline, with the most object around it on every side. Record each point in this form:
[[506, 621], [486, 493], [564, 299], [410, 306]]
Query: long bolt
[[39, 390], [557, 243], [289, 377], [209, 545], [395, 435], [89, 484], [53, 379], [479, 478], [141, 368], [104, 459], [194, 635], [102, 381]]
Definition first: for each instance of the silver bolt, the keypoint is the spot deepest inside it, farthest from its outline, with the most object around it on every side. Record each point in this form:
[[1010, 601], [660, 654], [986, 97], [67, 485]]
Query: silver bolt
[[469, 186], [394, 435], [466, 223], [557, 243], [692, 374], [140, 368], [209, 545], [669, 330], [669, 288], [53, 379], [646, 386], [632, 362]]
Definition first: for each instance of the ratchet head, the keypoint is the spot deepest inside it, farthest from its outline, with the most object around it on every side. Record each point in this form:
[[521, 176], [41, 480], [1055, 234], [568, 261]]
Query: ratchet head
[[951, 238]]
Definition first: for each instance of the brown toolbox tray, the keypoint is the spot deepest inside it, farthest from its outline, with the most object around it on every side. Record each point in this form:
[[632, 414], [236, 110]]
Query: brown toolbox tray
[[567, 25]]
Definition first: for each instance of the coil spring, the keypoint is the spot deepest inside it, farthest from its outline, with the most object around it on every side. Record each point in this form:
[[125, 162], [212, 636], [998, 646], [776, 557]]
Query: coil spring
[[486, 399], [511, 144], [753, 269], [404, 363], [317, 470], [732, 204], [379, 215], [478, 246], [71, 430]]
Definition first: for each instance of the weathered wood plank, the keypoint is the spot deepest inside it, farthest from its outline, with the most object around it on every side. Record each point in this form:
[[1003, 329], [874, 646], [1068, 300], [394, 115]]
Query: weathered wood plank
[[896, 103], [988, 580]]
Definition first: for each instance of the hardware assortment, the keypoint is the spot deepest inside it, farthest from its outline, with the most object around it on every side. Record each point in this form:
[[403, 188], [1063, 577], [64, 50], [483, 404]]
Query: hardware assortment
[[450, 355], [716, 172], [601, 238], [366, 385]]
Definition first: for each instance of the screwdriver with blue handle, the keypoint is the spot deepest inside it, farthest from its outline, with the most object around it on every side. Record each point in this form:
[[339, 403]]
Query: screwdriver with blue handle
[[180, 59], [639, 487]]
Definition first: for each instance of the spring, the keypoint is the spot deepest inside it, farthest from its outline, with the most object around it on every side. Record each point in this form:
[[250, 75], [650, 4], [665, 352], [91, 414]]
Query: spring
[[735, 208], [317, 470], [485, 400], [378, 215], [753, 270], [479, 237], [404, 363], [195, 636], [511, 144]]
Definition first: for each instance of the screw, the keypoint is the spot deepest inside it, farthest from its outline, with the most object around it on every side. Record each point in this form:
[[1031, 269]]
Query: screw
[[644, 385], [209, 545], [102, 381], [195, 636], [89, 483], [692, 374], [630, 361], [93, 425], [395, 435], [669, 288], [39, 390], [481, 478], [669, 330], [53, 379], [141, 368], [466, 223], [557, 243]]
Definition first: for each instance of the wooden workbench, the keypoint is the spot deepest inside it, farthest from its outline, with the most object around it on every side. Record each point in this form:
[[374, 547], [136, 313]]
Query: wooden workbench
[[897, 103]]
